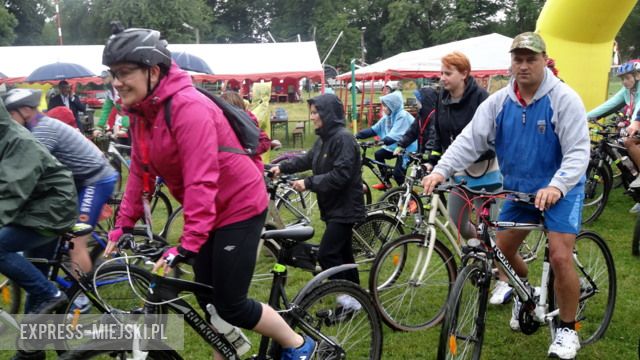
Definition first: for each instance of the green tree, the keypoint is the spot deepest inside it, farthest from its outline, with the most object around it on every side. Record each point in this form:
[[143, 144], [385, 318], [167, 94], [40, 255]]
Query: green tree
[[31, 16], [467, 18], [629, 36], [239, 21], [7, 24], [520, 16]]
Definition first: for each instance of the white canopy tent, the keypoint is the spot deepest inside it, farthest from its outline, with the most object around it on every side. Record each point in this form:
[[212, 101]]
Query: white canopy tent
[[488, 54], [227, 61]]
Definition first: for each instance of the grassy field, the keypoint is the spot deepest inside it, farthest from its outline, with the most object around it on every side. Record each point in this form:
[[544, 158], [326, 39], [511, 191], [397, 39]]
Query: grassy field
[[620, 341]]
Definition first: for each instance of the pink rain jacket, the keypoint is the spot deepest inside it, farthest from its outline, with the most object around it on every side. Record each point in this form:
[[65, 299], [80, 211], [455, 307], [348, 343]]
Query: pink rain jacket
[[215, 188]]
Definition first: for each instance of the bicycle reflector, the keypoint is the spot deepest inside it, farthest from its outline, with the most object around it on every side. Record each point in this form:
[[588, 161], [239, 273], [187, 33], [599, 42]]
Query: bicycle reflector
[[453, 346]]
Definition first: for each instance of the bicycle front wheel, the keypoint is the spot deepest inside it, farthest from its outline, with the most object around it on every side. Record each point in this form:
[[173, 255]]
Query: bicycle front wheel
[[408, 288], [357, 330], [597, 274], [462, 332]]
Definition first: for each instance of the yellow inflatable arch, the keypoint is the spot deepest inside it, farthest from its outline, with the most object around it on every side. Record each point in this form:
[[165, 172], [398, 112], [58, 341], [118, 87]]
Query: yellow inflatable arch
[[579, 35]]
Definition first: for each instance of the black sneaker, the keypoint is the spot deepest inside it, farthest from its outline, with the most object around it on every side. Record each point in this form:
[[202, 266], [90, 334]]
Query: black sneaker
[[340, 314], [50, 305], [31, 355]]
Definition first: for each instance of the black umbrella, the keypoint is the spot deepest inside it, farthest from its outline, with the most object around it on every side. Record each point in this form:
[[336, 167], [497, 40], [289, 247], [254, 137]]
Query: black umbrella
[[191, 62], [59, 71]]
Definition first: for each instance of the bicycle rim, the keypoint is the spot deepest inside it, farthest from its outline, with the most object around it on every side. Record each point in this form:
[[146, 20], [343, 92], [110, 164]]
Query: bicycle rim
[[373, 233], [407, 299], [597, 275], [359, 334], [463, 328]]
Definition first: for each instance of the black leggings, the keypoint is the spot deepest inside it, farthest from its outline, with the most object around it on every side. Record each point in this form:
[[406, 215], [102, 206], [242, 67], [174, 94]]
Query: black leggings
[[226, 262], [398, 170], [335, 249]]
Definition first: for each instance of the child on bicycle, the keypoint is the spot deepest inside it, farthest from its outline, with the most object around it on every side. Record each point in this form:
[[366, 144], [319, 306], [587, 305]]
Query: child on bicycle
[[222, 220], [390, 129], [627, 99]]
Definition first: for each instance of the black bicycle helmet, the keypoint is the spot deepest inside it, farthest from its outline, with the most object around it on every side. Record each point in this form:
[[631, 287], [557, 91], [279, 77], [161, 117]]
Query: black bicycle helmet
[[141, 46], [17, 98]]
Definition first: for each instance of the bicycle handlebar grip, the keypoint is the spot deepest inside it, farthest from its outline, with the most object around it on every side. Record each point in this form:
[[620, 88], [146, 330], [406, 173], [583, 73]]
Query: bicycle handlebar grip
[[125, 241]]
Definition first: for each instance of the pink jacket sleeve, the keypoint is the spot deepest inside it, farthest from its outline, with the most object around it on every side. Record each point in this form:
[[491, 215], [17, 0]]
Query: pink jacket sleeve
[[194, 129], [131, 205]]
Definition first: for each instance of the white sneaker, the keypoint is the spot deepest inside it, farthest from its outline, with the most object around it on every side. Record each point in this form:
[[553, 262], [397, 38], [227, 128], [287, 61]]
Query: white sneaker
[[501, 293], [514, 323], [635, 183], [635, 209], [348, 302], [565, 345]]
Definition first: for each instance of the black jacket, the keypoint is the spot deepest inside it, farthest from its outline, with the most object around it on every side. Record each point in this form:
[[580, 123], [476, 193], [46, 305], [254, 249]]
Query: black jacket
[[452, 117], [335, 162], [75, 105], [420, 128]]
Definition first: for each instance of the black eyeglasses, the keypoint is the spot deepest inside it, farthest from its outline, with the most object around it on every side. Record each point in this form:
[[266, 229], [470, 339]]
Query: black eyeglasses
[[124, 72]]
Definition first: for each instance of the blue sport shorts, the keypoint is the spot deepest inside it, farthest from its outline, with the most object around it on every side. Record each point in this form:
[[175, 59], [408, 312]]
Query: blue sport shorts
[[564, 217]]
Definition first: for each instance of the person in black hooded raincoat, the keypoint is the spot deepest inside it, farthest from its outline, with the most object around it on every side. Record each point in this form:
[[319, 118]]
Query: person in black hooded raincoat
[[337, 181]]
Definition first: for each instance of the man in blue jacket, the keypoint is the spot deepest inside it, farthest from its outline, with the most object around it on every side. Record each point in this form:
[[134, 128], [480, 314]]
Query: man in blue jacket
[[537, 126]]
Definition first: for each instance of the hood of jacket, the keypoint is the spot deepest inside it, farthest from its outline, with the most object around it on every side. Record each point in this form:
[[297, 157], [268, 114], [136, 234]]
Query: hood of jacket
[[175, 80], [469, 89], [428, 98], [331, 112], [548, 82], [394, 102]]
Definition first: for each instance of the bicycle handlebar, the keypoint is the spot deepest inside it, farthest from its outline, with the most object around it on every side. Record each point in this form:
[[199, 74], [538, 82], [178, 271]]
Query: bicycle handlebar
[[516, 196]]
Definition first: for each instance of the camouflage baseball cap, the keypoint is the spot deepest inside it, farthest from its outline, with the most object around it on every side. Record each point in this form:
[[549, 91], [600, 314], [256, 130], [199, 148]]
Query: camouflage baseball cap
[[529, 40]]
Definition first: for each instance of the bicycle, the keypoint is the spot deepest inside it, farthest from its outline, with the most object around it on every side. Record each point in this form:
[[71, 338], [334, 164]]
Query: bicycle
[[404, 271], [311, 311], [462, 334], [607, 149]]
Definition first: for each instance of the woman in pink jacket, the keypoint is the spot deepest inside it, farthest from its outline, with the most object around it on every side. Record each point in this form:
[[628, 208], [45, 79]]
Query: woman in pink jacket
[[223, 220]]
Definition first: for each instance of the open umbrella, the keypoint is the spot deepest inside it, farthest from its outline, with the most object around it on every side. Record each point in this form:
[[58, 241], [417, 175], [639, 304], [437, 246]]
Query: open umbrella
[[191, 62], [59, 71], [3, 76]]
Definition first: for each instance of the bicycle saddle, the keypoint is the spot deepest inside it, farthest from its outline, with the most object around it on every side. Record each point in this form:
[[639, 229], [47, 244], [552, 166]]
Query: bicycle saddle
[[296, 233]]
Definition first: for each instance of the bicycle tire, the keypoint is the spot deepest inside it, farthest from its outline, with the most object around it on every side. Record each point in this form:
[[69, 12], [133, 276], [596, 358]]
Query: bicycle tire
[[321, 301], [91, 351], [366, 190], [596, 310], [291, 201], [406, 304], [394, 195], [468, 298], [170, 232], [635, 242], [370, 235], [160, 202], [597, 188], [117, 296]]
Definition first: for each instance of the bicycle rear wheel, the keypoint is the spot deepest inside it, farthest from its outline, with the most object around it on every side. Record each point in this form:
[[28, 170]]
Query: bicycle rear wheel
[[266, 258], [372, 234], [596, 190], [462, 331], [359, 333], [597, 275], [407, 299]]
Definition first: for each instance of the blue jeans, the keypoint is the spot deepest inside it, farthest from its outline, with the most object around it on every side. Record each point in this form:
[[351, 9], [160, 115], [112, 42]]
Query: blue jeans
[[14, 239]]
